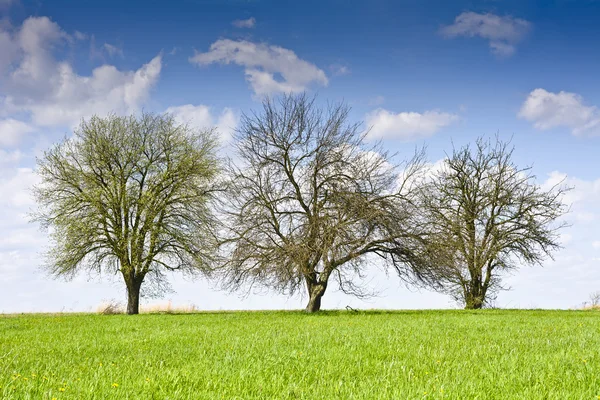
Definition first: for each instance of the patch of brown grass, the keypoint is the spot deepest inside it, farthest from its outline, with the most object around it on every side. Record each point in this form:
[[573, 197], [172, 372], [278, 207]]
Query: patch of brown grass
[[592, 307], [110, 307], [167, 308]]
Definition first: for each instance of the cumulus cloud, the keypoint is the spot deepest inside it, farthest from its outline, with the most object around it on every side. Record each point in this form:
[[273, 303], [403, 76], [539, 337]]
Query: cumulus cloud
[[202, 117], [549, 110], [407, 125], [244, 23], [503, 33], [262, 63], [51, 93]]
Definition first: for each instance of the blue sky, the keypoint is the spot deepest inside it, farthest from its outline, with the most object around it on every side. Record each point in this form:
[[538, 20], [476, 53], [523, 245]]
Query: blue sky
[[420, 73]]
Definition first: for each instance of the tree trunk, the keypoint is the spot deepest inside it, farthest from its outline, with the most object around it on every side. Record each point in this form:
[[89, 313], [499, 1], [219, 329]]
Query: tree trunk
[[133, 297], [315, 293], [473, 301]]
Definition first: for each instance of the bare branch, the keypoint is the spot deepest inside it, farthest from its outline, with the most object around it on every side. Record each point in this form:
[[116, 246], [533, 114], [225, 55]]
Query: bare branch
[[310, 200]]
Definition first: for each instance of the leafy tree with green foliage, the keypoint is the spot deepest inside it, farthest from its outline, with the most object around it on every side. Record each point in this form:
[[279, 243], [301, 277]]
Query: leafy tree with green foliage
[[130, 195]]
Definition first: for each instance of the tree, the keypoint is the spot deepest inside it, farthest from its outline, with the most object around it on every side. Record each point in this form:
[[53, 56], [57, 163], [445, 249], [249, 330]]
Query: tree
[[129, 195], [309, 201], [486, 216]]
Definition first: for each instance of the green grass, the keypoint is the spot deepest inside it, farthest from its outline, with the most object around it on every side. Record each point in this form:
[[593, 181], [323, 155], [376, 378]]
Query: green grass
[[493, 354]]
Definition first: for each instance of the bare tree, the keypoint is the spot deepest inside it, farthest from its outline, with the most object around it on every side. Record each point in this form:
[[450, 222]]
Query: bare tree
[[129, 195], [486, 216], [309, 202]]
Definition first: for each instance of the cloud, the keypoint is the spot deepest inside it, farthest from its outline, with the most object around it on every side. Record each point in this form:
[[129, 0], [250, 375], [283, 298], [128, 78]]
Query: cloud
[[15, 189], [8, 158], [112, 50], [12, 130], [201, 117], [503, 33], [407, 125], [584, 197], [549, 110], [51, 93], [244, 23], [80, 35], [9, 50], [262, 63], [338, 69]]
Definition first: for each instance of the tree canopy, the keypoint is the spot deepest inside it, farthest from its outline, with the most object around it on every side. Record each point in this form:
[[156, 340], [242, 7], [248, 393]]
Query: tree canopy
[[310, 201], [130, 195], [487, 216]]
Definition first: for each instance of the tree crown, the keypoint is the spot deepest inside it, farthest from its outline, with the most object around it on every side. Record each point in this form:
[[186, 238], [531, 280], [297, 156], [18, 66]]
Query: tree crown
[[129, 194]]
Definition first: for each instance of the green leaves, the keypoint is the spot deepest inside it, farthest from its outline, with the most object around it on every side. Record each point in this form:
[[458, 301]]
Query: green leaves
[[131, 195]]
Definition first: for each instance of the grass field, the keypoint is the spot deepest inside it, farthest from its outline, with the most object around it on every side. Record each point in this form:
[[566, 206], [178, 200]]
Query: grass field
[[491, 354]]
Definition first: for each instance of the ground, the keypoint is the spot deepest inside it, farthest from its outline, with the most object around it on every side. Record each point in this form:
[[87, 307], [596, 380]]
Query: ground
[[488, 354]]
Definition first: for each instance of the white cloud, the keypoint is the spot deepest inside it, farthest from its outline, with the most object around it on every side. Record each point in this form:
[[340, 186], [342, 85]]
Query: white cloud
[[407, 125], [112, 50], [106, 90], [9, 50], [80, 35], [565, 238], [201, 117], [15, 189], [583, 198], [12, 130], [503, 33], [502, 49], [51, 93], [36, 39], [596, 244], [338, 69], [9, 157], [262, 63], [227, 123], [563, 109], [244, 23]]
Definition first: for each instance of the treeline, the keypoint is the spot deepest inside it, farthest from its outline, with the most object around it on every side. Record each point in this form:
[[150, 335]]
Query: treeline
[[305, 202]]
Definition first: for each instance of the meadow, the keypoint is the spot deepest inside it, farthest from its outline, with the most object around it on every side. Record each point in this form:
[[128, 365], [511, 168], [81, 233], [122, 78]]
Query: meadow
[[452, 354]]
